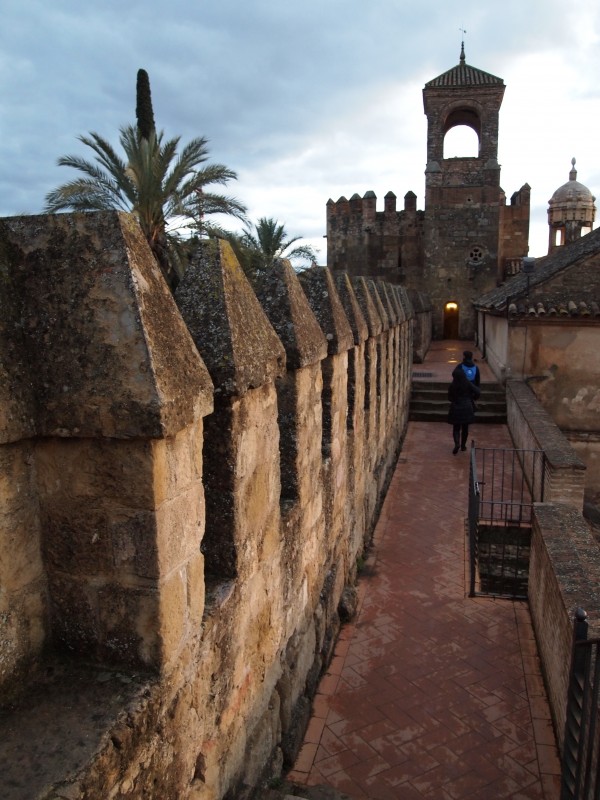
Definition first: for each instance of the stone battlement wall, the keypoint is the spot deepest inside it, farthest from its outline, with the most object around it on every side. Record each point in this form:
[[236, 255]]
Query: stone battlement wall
[[563, 576], [187, 485], [563, 567], [532, 428]]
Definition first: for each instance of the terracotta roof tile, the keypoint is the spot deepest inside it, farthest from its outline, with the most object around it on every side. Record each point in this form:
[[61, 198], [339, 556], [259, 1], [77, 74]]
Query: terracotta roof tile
[[543, 308], [464, 75]]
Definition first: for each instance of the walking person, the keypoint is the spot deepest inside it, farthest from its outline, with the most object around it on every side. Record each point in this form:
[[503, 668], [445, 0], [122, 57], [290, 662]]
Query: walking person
[[462, 395]]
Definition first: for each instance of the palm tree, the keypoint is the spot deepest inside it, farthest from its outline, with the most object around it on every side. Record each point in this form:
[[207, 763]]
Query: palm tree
[[162, 187], [258, 247]]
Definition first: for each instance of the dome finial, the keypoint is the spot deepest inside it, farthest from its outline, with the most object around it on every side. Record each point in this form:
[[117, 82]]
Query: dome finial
[[573, 172]]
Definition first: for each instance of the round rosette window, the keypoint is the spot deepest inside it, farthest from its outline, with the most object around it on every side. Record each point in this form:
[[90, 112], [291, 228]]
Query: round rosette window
[[476, 256]]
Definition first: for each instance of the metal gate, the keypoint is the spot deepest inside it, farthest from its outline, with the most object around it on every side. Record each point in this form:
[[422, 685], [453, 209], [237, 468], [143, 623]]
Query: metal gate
[[503, 485], [581, 762]]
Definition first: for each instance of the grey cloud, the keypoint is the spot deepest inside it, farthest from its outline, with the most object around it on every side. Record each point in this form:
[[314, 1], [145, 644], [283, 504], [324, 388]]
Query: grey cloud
[[270, 83]]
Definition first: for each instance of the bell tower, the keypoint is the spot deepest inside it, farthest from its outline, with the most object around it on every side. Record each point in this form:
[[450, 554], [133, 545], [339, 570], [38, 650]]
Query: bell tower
[[463, 198], [467, 239]]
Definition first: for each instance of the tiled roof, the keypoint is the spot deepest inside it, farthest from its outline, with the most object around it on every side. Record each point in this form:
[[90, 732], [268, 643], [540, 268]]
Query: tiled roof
[[464, 74], [515, 289], [539, 308]]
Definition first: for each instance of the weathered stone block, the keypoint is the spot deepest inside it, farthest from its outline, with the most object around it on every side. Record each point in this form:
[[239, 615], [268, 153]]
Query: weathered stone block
[[75, 620], [177, 462], [77, 538], [96, 468], [195, 590], [134, 550], [20, 549], [179, 527], [174, 617], [130, 622]]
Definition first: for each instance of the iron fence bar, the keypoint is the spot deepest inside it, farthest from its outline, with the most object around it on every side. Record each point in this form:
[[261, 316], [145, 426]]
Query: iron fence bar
[[570, 773], [582, 739], [597, 781], [523, 482], [493, 481], [474, 505], [591, 737], [497, 464]]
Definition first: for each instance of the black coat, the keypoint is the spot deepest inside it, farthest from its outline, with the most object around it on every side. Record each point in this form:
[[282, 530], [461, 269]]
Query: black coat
[[462, 395]]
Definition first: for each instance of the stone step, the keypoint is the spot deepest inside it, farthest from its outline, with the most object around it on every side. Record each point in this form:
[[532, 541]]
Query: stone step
[[489, 417], [290, 791], [429, 402], [487, 390], [442, 404], [442, 386]]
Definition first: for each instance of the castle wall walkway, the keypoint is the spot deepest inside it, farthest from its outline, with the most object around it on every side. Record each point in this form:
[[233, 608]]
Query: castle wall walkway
[[431, 694]]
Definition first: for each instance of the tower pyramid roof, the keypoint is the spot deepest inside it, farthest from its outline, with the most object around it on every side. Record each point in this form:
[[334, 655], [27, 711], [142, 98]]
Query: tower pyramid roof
[[464, 74]]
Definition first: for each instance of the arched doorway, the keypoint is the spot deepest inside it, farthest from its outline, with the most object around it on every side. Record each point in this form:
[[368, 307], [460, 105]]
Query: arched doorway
[[451, 320]]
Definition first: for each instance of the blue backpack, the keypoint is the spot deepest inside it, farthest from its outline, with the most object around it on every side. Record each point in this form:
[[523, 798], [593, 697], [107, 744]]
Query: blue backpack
[[470, 372]]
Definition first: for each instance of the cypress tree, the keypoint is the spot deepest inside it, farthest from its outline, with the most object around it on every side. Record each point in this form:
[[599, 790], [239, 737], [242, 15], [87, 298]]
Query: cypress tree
[[143, 109]]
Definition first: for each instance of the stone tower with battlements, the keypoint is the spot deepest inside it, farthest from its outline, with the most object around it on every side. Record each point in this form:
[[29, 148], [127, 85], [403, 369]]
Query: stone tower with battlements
[[468, 239]]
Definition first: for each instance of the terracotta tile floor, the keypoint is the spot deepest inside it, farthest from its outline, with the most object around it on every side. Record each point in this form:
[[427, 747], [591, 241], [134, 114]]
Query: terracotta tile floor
[[431, 694]]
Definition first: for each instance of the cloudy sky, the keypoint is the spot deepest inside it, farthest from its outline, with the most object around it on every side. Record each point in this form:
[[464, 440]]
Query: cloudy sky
[[304, 99]]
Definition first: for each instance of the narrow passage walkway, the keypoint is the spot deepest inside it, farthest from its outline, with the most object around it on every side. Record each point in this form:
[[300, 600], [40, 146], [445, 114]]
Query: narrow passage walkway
[[431, 694]]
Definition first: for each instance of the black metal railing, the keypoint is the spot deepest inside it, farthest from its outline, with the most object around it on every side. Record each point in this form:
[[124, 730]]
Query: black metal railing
[[474, 496], [580, 779], [503, 485]]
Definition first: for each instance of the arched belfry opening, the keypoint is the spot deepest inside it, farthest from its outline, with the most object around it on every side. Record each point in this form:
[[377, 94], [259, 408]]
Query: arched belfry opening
[[451, 320], [462, 133], [464, 115]]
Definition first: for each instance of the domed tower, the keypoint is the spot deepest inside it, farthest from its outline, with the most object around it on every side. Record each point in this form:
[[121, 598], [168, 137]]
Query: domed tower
[[469, 232], [571, 212]]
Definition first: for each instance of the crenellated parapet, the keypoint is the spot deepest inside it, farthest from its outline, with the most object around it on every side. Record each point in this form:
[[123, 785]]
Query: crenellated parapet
[[381, 244], [186, 489]]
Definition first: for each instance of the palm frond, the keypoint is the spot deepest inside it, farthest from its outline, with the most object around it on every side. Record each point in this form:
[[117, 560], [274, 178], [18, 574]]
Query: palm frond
[[80, 195], [157, 180]]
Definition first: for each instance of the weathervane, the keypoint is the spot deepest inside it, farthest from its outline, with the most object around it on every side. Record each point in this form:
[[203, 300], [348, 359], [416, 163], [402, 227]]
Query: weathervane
[[462, 44]]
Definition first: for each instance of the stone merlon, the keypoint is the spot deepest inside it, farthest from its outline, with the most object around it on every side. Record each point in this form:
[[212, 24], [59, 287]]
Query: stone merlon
[[324, 300], [367, 305], [355, 317], [379, 304], [95, 352], [231, 331], [389, 302], [287, 308]]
